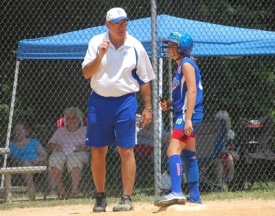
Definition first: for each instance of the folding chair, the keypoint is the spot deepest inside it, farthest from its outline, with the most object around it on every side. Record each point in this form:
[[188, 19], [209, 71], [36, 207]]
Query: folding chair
[[256, 149], [210, 143], [257, 138]]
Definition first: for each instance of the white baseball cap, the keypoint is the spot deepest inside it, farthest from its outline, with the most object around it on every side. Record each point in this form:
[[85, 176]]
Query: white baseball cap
[[116, 14]]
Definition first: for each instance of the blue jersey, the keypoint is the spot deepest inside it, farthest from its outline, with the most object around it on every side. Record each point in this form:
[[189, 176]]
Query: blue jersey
[[27, 153], [179, 93]]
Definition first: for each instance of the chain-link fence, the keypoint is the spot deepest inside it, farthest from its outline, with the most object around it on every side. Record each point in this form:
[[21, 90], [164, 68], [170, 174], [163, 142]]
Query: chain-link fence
[[43, 77]]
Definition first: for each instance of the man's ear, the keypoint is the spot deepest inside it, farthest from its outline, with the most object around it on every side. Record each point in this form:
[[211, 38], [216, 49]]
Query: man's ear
[[107, 24]]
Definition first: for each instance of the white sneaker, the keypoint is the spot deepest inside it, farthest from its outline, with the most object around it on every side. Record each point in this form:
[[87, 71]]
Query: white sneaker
[[170, 198]]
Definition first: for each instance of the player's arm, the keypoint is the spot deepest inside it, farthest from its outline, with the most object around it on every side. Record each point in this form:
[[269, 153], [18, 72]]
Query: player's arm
[[92, 67], [145, 90], [190, 79]]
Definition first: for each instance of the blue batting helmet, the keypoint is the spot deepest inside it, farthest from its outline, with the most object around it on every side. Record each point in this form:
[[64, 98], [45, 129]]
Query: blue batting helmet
[[183, 40]]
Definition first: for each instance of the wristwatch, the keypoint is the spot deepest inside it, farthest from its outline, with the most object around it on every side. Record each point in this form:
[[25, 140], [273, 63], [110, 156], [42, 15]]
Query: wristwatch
[[149, 109]]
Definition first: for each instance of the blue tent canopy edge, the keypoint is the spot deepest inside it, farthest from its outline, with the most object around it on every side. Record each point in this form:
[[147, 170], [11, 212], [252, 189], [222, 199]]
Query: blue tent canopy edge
[[210, 40]]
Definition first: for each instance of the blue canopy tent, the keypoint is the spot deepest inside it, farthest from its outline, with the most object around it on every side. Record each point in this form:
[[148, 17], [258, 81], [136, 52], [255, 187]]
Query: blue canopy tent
[[210, 40]]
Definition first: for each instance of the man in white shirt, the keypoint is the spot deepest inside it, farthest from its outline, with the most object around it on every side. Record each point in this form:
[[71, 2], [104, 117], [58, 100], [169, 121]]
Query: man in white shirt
[[118, 67]]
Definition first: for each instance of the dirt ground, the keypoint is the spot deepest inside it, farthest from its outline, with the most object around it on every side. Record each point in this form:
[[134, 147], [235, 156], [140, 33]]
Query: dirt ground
[[209, 208]]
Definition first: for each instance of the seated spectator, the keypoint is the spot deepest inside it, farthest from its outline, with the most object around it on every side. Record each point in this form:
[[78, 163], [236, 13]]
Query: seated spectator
[[145, 139], [225, 165], [26, 151], [68, 147]]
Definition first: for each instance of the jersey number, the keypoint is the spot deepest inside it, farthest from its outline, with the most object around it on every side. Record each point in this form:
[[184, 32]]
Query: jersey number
[[179, 121]]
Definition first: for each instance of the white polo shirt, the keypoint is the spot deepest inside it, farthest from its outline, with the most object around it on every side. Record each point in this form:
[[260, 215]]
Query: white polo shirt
[[116, 76]]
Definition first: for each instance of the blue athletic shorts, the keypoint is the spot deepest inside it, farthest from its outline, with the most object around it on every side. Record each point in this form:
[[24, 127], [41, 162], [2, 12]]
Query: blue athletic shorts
[[178, 130], [111, 118]]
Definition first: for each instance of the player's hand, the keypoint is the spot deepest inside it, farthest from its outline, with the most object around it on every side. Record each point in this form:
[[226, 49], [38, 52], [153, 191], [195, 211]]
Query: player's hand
[[164, 104], [103, 47], [146, 117], [188, 127]]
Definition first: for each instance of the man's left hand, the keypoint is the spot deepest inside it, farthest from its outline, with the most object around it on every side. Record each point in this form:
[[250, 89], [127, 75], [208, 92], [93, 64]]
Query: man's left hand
[[146, 117]]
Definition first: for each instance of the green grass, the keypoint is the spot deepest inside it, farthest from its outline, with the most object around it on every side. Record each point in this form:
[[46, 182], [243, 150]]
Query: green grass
[[254, 193]]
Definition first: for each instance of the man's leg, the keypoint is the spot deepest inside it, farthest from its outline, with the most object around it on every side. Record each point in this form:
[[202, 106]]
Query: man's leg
[[128, 169], [128, 172], [98, 166], [125, 132]]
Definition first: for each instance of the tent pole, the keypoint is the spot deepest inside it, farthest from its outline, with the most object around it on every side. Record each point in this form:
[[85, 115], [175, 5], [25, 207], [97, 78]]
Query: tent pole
[[157, 141], [170, 77], [15, 82], [160, 126]]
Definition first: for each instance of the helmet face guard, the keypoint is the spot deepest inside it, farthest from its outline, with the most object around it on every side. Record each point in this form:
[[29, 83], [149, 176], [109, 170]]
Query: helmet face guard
[[164, 47], [182, 40]]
